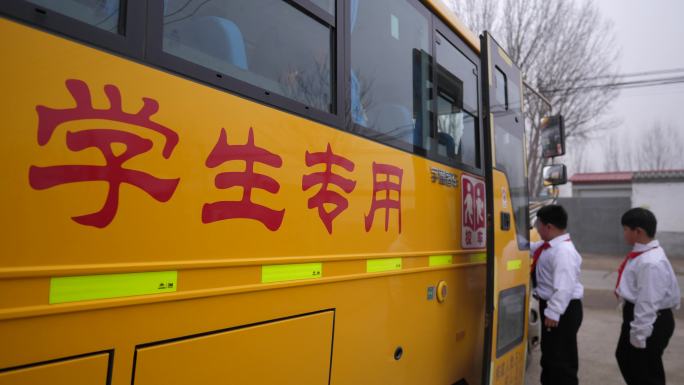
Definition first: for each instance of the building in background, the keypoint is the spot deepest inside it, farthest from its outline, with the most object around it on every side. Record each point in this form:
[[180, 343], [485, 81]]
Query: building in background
[[603, 197]]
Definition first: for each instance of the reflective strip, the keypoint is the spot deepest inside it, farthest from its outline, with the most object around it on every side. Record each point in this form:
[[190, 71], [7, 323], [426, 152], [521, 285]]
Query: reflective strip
[[480, 257], [92, 287], [280, 273], [386, 264], [514, 264], [441, 260]]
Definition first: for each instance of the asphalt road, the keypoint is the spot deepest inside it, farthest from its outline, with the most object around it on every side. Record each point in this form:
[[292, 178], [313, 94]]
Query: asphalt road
[[601, 328]]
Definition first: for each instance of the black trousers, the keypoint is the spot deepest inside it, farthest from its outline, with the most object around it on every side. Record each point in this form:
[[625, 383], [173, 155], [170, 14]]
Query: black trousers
[[559, 359], [644, 366]]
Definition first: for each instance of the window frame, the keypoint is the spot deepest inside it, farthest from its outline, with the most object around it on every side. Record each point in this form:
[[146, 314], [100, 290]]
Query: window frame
[[520, 290], [501, 166], [366, 132], [129, 41], [156, 56], [498, 70], [141, 41], [441, 28]]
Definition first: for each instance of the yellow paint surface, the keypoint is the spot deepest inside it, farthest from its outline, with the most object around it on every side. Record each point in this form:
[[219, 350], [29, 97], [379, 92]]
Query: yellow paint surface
[[292, 351], [90, 370], [512, 269], [220, 263]]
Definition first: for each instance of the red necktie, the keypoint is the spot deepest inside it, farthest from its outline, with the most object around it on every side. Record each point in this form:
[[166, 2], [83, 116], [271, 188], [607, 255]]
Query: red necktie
[[535, 258], [629, 256], [537, 253]]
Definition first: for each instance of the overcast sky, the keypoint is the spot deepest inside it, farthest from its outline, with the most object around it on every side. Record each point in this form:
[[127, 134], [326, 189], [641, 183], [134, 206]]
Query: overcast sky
[[650, 35]]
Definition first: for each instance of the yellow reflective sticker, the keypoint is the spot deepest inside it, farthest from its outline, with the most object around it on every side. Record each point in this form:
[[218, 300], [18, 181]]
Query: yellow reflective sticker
[[93, 287], [280, 273], [514, 264], [385, 264], [441, 260], [479, 257]]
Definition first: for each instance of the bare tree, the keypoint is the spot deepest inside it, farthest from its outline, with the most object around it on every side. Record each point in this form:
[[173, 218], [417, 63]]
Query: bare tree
[[577, 155], [658, 148], [478, 15], [613, 155], [655, 148], [309, 85], [562, 47]]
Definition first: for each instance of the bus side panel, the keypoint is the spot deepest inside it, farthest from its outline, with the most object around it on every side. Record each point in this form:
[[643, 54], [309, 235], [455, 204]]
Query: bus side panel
[[512, 271], [111, 171], [441, 342], [175, 137]]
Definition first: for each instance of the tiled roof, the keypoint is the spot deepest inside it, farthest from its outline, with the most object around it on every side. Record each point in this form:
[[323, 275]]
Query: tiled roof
[[628, 177], [602, 177], [658, 175]]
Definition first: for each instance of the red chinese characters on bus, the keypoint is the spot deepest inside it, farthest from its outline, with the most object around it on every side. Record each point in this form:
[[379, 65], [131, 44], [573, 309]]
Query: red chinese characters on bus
[[248, 180], [386, 185], [325, 179], [103, 140]]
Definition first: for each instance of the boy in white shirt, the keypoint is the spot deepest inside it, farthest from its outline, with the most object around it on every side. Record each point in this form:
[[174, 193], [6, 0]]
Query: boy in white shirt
[[556, 280], [648, 288]]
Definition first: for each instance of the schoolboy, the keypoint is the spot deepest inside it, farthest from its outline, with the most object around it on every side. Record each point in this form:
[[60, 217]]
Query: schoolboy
[[648, 288], [556, 277]]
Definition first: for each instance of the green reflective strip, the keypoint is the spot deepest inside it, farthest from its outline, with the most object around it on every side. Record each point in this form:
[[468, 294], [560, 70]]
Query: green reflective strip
[[480, 257], [279, 273], [92, 287], [514, 264], [385, 264], [441, 260]]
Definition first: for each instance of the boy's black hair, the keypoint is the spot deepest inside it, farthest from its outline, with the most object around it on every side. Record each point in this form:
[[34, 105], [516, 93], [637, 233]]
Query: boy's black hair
[[555, 215], [640, 217]]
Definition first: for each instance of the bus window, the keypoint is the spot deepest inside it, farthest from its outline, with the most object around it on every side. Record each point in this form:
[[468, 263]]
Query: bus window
[[501, 91], [510, 159], [326, 5], [513, 97], [103, 14], [456, 125], [390, 72], [511, 324], [458, 65], [266, 43]]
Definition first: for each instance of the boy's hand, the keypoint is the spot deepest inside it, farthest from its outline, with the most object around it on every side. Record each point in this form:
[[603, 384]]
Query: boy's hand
[[549, 323], [637, 343]]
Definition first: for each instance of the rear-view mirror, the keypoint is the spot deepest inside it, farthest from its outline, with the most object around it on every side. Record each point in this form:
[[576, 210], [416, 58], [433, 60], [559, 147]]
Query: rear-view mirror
[[552, 136], [555, 175]]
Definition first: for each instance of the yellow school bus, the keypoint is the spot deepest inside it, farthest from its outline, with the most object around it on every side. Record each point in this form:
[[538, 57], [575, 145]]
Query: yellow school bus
[[259, 192]]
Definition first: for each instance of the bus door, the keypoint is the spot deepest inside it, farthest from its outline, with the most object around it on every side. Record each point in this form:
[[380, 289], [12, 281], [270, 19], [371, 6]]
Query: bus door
[[508, 223]]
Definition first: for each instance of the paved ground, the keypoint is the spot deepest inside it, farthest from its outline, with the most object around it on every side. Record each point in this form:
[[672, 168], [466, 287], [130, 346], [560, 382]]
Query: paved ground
[[611, 263], [601, 327]]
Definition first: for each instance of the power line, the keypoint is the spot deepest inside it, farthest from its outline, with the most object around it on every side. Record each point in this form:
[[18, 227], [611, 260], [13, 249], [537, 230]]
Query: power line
[[655, 92], [633, 74], [655, 83], [621, 81], [657, 72], [625, 84]]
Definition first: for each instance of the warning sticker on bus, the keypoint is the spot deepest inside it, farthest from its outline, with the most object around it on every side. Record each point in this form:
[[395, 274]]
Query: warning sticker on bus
[[473, 213]]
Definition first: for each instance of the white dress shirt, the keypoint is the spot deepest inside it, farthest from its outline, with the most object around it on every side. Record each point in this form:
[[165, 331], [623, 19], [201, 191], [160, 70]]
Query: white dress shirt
[[558, 275], [648, 282]]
